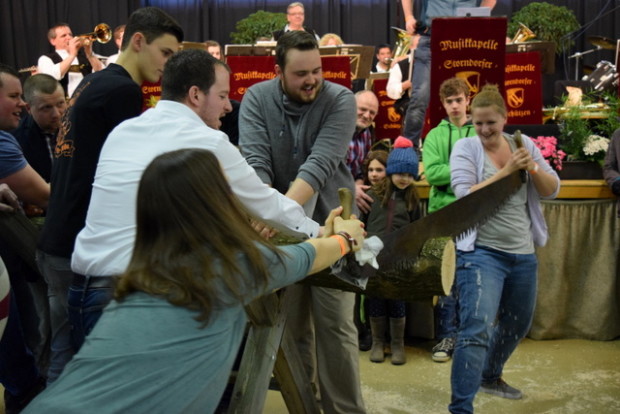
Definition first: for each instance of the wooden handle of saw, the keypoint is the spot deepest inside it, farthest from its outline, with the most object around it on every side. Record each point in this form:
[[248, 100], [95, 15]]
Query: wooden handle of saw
[[519, 141], [346, 201]]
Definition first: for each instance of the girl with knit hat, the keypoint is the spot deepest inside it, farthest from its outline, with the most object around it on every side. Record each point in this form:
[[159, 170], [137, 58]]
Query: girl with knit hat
[[395, 205]]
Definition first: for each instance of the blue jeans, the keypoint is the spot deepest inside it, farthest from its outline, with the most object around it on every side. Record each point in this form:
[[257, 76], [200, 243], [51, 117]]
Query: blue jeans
[[18, 370], [378, 307], [86, 305], [420, 92], [497, 295], [446, 316], [58, 275]]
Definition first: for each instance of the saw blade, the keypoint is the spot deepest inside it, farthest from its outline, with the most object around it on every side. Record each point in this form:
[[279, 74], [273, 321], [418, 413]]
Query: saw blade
[[464, 215]]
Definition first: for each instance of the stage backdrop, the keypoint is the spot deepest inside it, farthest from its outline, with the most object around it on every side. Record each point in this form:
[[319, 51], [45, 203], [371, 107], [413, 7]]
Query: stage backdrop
[[24, 23]]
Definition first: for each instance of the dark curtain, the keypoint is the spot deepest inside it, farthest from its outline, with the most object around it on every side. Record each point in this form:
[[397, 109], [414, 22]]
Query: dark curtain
[[24, 23]]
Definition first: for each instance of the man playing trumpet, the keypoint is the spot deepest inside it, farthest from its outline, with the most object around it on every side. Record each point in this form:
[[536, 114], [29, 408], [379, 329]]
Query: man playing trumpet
[[71, 60]]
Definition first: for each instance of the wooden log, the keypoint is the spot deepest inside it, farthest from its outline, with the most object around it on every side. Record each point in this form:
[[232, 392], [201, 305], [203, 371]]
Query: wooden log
[[422, 277]]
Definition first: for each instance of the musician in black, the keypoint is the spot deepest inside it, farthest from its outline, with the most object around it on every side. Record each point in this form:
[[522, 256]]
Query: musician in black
[[295, 16]]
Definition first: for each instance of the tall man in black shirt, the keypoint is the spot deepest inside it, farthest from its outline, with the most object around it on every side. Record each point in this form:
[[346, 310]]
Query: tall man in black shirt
[[101, 102]]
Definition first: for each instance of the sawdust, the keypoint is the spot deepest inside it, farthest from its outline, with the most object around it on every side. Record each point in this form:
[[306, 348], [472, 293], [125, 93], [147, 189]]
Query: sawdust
[[567, 377], [556, 377]]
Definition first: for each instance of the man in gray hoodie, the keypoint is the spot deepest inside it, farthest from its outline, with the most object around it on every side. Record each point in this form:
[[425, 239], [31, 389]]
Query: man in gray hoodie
[[295, 131]]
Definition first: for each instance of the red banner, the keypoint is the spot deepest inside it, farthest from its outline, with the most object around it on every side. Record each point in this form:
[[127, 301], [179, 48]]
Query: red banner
[[151, 93], [523, 86], [337, 69], [248, 70], [388, 121], [471, 48]]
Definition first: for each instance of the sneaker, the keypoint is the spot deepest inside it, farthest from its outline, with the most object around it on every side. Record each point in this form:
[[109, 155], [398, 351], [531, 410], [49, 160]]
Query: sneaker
[[501, 389], [442, 352]]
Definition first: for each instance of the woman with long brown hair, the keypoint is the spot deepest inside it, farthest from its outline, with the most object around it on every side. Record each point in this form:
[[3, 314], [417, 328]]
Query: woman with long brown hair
[[168, 341]]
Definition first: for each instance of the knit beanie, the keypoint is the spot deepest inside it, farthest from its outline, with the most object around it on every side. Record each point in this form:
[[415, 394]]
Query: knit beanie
[[403, 159]]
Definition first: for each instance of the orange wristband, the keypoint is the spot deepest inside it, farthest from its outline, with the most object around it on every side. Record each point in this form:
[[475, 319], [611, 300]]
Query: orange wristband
[[535, 170], [342, 242]]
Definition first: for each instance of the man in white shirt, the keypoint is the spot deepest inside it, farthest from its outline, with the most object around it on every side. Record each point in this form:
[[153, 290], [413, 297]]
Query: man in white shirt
[[383, 53], [71, 60], [195, 89], [399, 82]]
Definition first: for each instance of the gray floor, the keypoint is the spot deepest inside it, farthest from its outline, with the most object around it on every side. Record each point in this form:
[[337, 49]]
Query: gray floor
[[559, 377], [563, 376]]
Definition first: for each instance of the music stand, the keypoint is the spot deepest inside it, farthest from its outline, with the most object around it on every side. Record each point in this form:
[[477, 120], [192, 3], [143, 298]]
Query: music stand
[[372, 76], [360, 57], [249, 50], [193, 45]]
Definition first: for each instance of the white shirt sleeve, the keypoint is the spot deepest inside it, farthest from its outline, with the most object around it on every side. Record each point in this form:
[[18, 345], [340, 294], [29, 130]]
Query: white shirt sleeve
[[111, 59], [263, 202], [394, 87]]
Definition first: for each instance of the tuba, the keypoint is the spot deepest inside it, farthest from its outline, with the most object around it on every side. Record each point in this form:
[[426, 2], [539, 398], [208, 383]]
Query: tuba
[[523, 34], [402, 44], [101, 33]]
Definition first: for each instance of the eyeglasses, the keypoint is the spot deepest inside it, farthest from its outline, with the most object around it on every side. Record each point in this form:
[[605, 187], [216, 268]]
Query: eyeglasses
[[295, 14]]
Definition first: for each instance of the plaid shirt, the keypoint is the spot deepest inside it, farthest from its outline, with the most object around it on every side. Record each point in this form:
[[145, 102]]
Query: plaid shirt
[[358, 149]]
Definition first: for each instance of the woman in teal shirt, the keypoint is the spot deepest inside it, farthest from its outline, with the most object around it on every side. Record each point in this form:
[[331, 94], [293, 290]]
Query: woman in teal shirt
[[168, 341]]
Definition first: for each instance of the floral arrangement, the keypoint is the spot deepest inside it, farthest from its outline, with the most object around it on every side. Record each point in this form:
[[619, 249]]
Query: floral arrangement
[[595, 148], [548, 147], [584, 139]]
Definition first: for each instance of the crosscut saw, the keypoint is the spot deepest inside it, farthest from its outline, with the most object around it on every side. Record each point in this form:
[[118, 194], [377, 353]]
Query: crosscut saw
[[403, 246], [453, 220]]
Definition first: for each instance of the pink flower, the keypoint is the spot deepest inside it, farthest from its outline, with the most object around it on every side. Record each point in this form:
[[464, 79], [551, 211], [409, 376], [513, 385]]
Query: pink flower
[[549, 151]]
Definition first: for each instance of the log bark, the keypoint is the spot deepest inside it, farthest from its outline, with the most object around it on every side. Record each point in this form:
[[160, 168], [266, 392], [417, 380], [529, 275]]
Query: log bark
[[430, 274]]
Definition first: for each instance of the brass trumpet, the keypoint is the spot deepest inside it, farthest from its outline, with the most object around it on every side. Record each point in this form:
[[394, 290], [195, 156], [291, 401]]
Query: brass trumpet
[[523, 34], [101, 33], [402, 44]]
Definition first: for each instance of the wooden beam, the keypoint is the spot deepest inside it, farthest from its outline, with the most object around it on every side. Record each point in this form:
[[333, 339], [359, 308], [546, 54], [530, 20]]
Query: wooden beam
[[263, 346], [569, 189]]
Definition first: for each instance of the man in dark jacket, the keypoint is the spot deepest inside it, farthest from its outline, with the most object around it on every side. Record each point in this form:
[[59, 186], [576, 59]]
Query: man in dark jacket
[[295, 15]]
